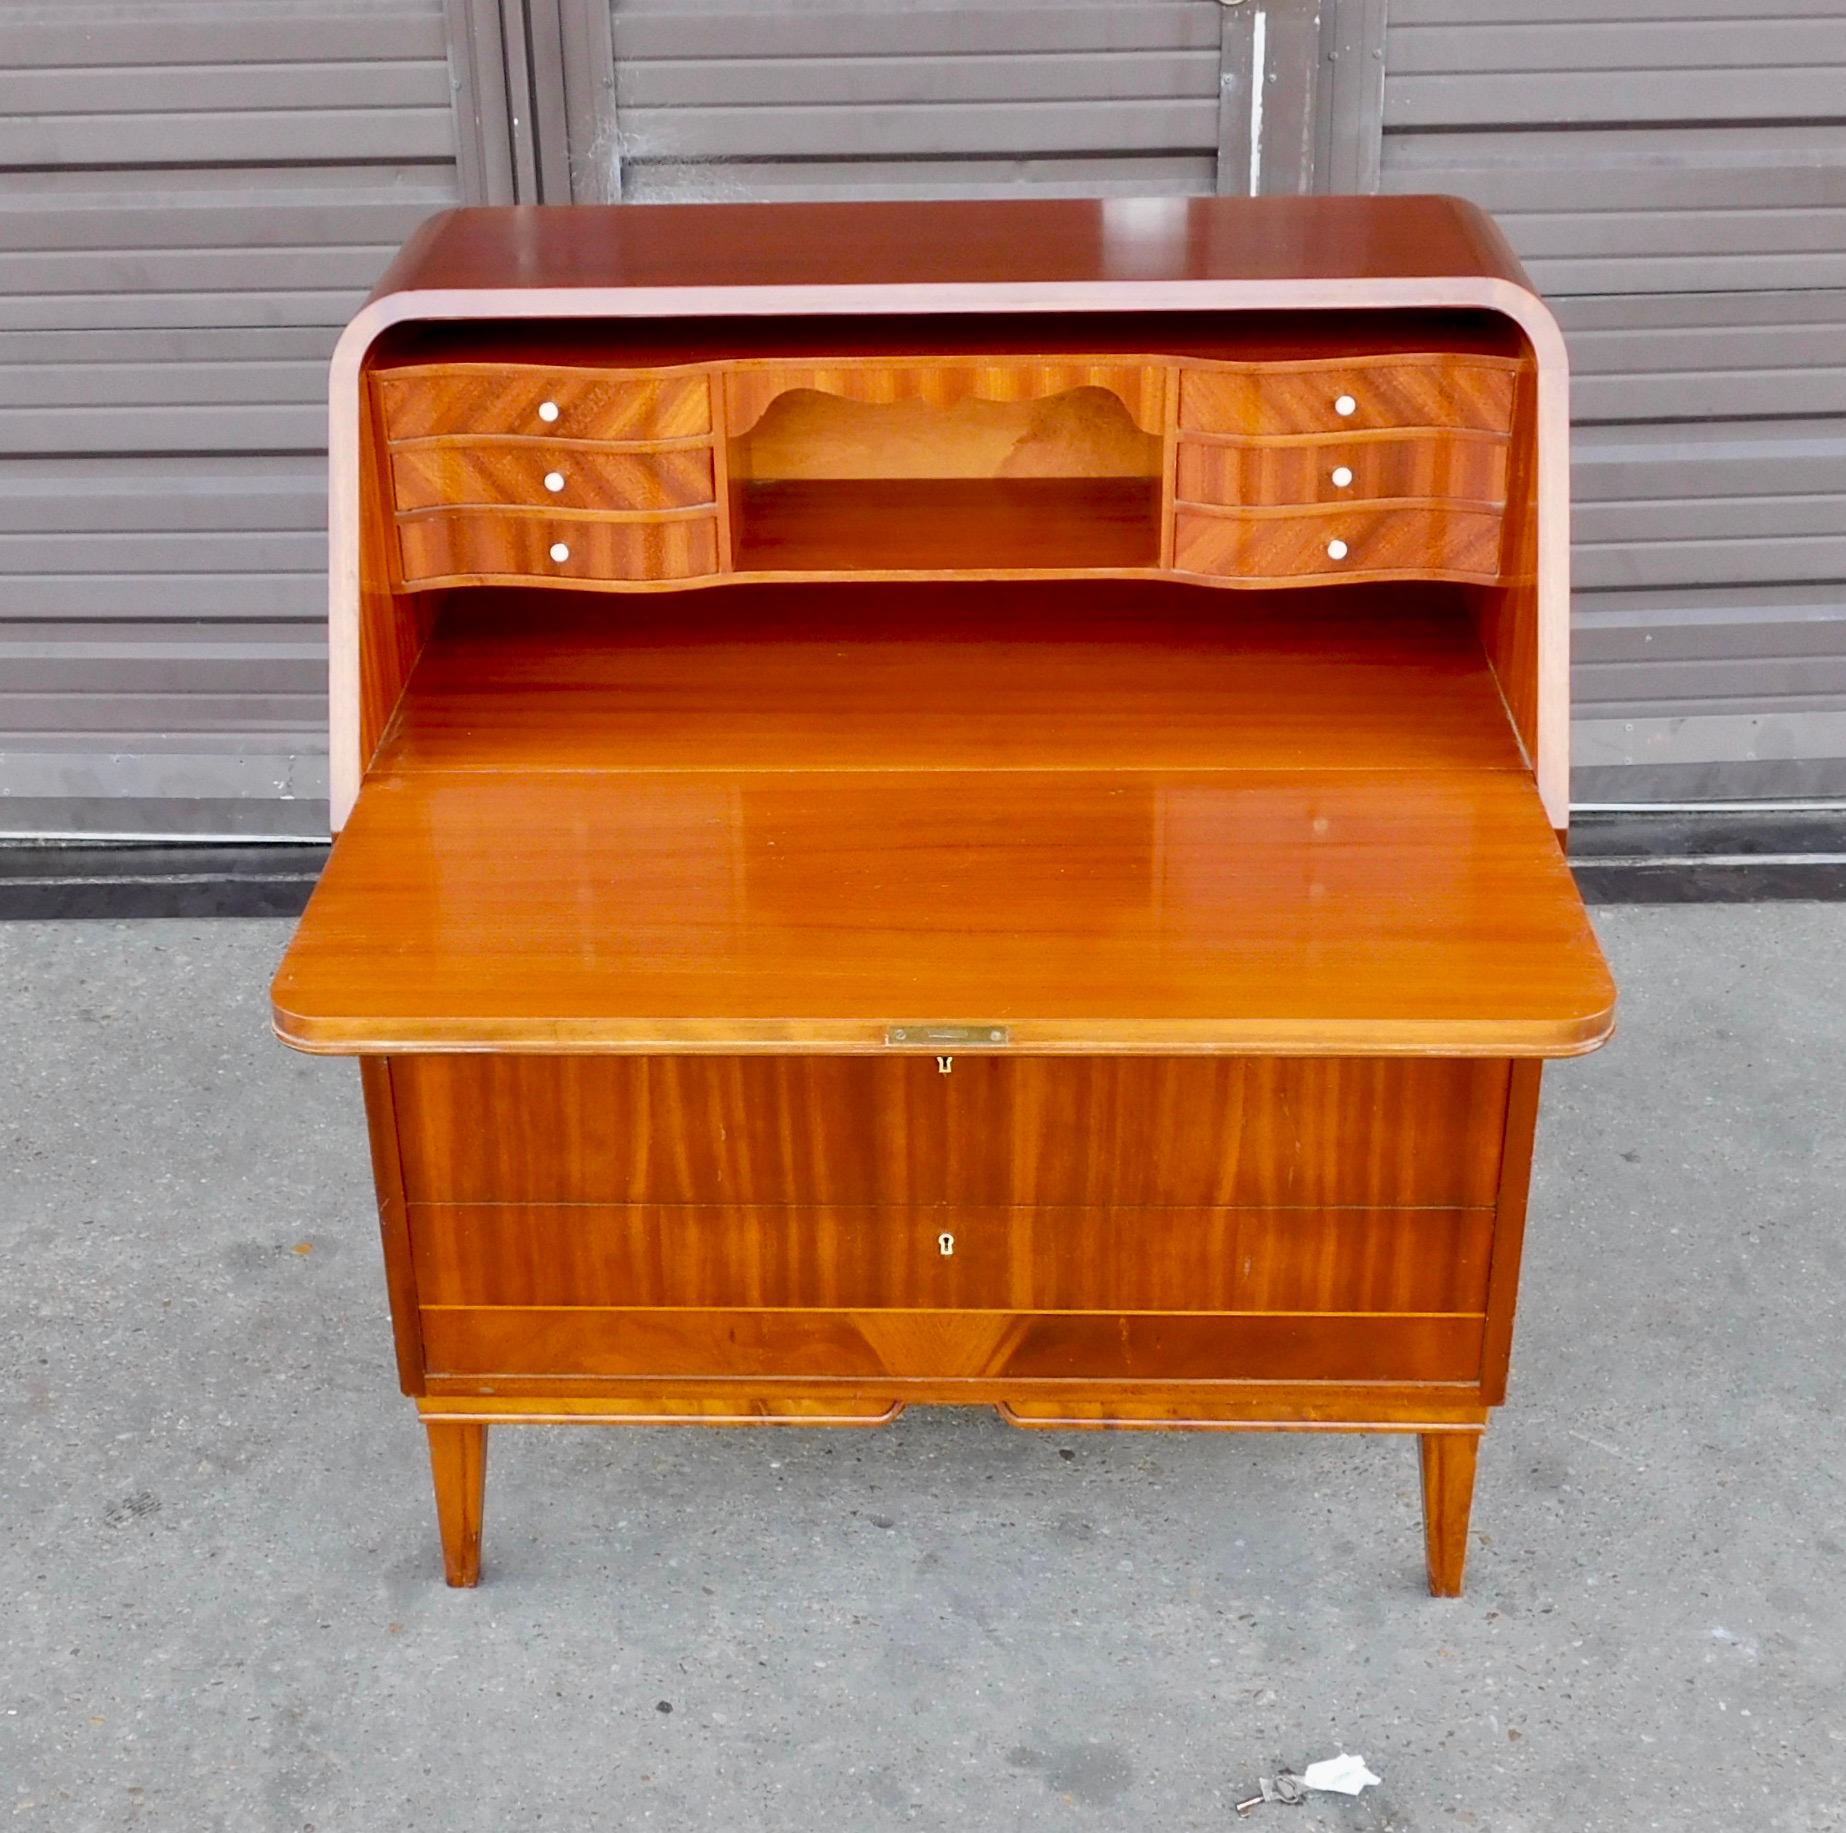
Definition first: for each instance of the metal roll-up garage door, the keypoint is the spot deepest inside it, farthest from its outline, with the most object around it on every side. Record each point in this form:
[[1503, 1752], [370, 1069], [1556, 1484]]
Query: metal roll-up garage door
[[1674, 174], [194, 197], [897, 98]]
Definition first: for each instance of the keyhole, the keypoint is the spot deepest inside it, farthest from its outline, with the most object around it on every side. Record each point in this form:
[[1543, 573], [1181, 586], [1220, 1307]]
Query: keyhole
[[946, 1242], [943, 1066]]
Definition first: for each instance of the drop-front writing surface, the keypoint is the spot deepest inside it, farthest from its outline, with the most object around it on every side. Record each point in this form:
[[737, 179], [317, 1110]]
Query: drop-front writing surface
[[939, 832]]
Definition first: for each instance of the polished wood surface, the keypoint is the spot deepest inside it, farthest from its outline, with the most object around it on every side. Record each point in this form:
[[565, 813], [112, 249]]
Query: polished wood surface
[[949, 525], [1339, 541], [1517, 1140], [805, 434], [1358, 394], [553, 547], [470, 399], [1510, 616], [703, 1403], [381, 1120], [485, 1342], [1448, 1461], [1142, 244], [430, 474], [1224, 911], [613, 908], [1460, 467], [750, 388], [996, 1130], [1315, 1404], [1116, 1000], [458, 1464], [815, 337], [969, 468], [394, 624], [1095, 675], [935, 1257], [1319, 1406], [1215, 279]]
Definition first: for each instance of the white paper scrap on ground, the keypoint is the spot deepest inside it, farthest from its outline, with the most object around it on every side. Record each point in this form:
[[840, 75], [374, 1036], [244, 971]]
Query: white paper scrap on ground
[[1341, 1775]]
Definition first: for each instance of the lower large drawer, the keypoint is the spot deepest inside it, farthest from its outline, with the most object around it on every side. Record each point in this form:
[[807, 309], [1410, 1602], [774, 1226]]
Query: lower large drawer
[[1013, 1131], [1172, 1259], [865, 1346]]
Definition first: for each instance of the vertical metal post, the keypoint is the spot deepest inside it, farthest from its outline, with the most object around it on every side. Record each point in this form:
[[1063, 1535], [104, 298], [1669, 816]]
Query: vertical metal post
[[1300, 96]]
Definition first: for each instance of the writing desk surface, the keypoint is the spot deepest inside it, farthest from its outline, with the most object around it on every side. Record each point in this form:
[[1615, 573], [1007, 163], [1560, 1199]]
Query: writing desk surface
[[1106, 819], [1095, 675]]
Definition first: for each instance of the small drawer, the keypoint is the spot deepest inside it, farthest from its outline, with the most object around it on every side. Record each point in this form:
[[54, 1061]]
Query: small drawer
[[541, 403], [1280, 398], [436, 475], [462, 545], [1423, 540], [1467, 468]]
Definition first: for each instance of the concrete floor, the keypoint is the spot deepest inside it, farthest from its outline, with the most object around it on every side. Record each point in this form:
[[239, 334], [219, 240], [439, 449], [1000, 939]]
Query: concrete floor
[[221, 1590]]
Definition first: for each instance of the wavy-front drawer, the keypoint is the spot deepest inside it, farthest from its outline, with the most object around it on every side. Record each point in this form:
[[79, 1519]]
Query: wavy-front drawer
[[549, 476], [463, 546], [540, 403], [1420, 540], [1271, 398], [1357, 468]]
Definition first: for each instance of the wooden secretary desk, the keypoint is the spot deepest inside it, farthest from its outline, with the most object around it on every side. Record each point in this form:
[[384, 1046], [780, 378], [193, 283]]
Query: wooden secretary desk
[[951, 803]]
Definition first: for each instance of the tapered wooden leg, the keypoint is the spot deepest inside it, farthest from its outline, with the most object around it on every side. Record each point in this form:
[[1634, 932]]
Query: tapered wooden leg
[[1448, 1496], [458, 1461]]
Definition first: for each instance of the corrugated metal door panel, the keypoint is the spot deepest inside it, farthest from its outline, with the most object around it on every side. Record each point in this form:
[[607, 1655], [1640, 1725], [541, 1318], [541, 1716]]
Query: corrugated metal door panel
[[893, 99], [280, 246], [198, 197], [1651, 210], [1674, 174], [1701, 356]]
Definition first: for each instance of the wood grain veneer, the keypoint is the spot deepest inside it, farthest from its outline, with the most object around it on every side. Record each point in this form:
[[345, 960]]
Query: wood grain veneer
[[435, 473], [860, 1257], [750, 388], [468, 399], [1090, 675], [1229, 911], [1239, 912], [1427, 540], [1301, 274], [1463, 468], [479, 546], [1396, 391], [874, 1346], [997, 1130], [933, 525]]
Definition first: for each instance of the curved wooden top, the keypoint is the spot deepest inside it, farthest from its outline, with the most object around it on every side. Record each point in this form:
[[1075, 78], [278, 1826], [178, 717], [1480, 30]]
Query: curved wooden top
[[935, 245]]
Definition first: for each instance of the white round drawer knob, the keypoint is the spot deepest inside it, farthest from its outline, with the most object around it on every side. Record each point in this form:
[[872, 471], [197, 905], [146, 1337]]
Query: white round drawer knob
[[1344, 406], [548, 410], [1342, 476], [554, 481], [560, 553], [1336, 550]]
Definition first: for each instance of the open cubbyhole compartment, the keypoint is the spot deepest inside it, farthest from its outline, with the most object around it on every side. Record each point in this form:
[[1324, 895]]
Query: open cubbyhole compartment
[[933, 468]]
